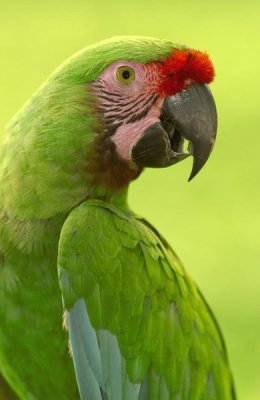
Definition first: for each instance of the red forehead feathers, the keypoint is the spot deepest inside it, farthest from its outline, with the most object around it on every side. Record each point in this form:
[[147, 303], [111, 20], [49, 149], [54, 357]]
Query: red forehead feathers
[[182, 68]]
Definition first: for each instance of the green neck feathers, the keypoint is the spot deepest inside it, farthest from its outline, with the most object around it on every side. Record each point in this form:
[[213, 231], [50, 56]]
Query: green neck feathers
[[50, 141]]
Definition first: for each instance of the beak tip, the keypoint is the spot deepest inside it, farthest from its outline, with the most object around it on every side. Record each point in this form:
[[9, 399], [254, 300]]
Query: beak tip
[[190, 177], [192, 174], [199, 160]]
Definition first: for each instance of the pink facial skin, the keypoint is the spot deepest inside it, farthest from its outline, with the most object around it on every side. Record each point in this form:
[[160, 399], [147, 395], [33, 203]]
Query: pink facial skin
[[139, 95], [128, 135], [130, 109], [146, 78]]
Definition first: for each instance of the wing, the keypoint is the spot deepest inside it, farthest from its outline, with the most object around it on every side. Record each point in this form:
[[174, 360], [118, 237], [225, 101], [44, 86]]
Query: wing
[[139, 328]]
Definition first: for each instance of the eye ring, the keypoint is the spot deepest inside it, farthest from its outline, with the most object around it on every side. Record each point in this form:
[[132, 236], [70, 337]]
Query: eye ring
[[125, 74]]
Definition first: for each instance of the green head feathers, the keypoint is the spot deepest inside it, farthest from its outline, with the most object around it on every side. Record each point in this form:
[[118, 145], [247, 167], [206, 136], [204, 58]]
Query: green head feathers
[[61, 143], [86, 65], [52, 133]]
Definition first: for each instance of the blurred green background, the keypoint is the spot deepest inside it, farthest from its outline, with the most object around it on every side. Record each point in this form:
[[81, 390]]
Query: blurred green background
[[212, 222]]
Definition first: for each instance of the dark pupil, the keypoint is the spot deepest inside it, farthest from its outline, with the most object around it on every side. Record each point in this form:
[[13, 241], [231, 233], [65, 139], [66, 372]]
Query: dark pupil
[[126, 74]]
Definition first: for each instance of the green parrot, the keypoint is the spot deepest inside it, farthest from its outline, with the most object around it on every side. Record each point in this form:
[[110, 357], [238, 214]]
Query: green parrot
[[135, 326]]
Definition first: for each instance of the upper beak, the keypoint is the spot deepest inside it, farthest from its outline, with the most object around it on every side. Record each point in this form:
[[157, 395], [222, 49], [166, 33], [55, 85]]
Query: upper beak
[[189, 115], [193, 114]]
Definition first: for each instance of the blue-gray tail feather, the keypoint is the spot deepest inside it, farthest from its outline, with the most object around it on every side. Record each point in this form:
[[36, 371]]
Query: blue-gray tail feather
[[85, 352], [99, 366]]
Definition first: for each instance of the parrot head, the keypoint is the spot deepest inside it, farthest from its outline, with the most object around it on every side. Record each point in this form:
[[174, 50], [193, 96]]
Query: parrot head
[[148, 106], [104, 115]]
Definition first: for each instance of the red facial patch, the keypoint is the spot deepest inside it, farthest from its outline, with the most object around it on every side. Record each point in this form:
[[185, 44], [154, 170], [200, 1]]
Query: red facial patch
[[182, 68]]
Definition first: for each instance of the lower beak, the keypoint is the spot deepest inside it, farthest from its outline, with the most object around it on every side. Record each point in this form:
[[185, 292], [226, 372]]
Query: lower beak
[[189, 115]]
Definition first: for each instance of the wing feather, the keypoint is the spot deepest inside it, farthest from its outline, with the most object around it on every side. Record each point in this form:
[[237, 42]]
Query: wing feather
[[85, 351], [149, 328]]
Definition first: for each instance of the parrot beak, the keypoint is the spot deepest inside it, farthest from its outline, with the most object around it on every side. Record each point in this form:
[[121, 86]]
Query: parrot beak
[[194, 116], [189, 115]]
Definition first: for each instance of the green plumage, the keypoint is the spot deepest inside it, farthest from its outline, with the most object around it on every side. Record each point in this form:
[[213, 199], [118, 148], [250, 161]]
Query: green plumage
[[152, 334], [135, 287]]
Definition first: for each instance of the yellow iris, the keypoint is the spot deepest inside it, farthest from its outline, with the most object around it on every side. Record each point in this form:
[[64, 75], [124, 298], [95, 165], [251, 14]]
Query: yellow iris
[[125, 74]]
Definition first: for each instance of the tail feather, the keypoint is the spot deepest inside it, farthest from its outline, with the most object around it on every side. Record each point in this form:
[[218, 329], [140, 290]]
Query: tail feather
[[85, 352], [144, 392], [111, 364], [99, 366], [116, 382]]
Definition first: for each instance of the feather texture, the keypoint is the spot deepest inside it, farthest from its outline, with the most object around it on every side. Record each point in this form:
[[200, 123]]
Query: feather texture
[[139, 327], [85, 351], [150, 318]]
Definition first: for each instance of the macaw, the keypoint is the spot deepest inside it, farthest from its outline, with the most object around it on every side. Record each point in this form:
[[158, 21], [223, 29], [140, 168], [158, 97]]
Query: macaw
[[135, 325]]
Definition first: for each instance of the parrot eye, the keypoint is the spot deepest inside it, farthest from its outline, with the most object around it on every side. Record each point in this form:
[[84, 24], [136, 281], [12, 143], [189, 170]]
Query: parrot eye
[[125, 75]]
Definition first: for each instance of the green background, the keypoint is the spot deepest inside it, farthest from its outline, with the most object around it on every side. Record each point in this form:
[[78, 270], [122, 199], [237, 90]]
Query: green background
[[212, 222]]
